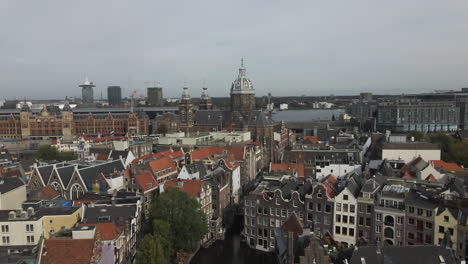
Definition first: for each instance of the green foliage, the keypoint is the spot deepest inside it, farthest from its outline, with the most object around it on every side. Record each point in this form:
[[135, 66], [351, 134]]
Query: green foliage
[[48, 152], [151, 251], [182, 212], [460, 153], [418, 136], [162, 128], [447, 144], [162, 230]]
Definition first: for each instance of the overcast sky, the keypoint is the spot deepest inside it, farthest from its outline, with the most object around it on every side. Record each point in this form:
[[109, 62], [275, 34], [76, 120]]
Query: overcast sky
[[48, 47]]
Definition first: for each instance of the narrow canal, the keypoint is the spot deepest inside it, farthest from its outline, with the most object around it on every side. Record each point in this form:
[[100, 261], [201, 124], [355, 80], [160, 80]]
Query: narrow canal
[[232, 250]]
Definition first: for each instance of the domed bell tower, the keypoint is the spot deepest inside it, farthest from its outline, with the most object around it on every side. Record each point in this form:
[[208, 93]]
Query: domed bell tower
[[205, 100], [186, 111], [242, 92]]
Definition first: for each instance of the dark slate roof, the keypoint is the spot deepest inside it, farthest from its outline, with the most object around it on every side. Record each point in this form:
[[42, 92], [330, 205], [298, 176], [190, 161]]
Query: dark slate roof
[[403, 254], [103, 214], [65, 174], [417, 199], [373, 184], [115, 154], [89, 174], [197, 166], [45, 172], [10, 183], [212, 117]]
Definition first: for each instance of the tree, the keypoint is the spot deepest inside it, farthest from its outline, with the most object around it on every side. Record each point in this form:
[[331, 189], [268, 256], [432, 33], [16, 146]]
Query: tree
[[417, 135], [151, 251], [187, 222], [162, 230], [67, 155], [447, 144], [47, 152], [162, 128]]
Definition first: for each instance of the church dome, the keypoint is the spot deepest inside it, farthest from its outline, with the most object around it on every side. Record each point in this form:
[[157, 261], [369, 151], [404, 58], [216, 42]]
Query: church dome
[[242, 84]]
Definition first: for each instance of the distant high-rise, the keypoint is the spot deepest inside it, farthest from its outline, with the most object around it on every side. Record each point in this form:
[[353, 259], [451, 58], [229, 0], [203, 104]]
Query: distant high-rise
[[114, 95], [155, 96], [87, 95]]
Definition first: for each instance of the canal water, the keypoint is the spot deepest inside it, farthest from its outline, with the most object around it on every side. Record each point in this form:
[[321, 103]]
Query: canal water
[[307, 115], [231, 250]]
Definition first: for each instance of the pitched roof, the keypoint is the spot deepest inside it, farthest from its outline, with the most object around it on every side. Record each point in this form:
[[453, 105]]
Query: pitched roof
[[288, 168], [445, 166], [207, 152], [10, 183], [48, 192], [293, 224], [45, 172], [65, 251], [431, 178], [311, 140], [90, 174], [329, 183], [146, 181], [192, 187], [162, 163], [107, 231], [106, 214], [230, 162]]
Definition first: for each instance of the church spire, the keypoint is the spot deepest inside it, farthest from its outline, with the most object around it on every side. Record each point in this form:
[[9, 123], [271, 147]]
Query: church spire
[[242, 69]]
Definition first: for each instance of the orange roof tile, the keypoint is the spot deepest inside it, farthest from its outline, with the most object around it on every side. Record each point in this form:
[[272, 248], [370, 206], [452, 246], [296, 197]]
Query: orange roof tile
[[146, 181], [163, 163], [431, 178], [204, 153], [288, 168], [230, 162], [58, 251], [168, 153], [237, 152], [102, 156], [107, 231], [446, 166], [313, 140], [192, 187], [49, 192]]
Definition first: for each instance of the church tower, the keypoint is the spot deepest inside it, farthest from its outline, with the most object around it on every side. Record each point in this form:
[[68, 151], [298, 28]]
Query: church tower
[[24, 120], [186, 111], [242, 92], [205, 100], [67, 123]]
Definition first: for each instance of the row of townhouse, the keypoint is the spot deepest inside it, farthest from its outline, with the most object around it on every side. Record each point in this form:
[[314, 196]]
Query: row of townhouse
[[353, 211]]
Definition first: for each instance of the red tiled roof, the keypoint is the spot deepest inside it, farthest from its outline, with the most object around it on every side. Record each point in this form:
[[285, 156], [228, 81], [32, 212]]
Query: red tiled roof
[[102, 156], [230, 162], [293, 224], [128, 174], [107, 231], [328, 183], [204, 153], [431, 178], [407, 175], [163, 163], [192, 187], [289, 168], [70, 251], [311, 140], [445, 166], [146, 181], [49, 192], [237, 152], [168, 153]]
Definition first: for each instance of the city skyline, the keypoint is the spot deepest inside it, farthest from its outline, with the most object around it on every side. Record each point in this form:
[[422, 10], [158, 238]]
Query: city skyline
[[309, 48]]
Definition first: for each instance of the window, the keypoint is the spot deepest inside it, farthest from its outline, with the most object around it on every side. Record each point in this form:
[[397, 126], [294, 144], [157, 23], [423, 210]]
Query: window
[[295, 203], [76, 191], [398, 233], [29, 228], [5, 228], [411, 210], [411, 221], [259, 210], [420, 211], [361, 220], [446, 218], [309, 217], [368, 221], [338, 207], [450, 231], [369, 209], [283, 213], [311, 206], [428, 225], [378, 228], [319, 207], [6, 240], [345, 208], [378, 217], [337, 230], [327, 208], [272, 211], [428, 213], [345, 219], [278, 212], [338, 218], [351, 220], [351, 231], [344, 231], [441, 229], [301, 215], [361, 208], [400, 220], [352, 208], [30, 239], [277, 201], [319, 195], [272, 233], [411, 235], [345, 197]]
